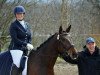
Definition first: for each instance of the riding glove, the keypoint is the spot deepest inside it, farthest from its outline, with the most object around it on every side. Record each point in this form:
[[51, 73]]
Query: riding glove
[[30, 46]]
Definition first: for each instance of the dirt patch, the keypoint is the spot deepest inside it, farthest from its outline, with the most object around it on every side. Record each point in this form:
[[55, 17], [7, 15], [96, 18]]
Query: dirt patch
[[63, 68]]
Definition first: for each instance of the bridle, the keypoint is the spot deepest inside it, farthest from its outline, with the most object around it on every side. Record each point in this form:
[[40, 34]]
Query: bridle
[[66, 49]]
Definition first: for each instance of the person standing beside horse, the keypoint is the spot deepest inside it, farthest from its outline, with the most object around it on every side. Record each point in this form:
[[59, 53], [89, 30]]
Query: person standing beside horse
[[88, 60], [20, 40]]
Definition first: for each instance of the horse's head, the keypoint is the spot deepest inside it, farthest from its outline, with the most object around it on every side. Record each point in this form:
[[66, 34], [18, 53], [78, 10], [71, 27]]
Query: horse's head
[[64, 45]]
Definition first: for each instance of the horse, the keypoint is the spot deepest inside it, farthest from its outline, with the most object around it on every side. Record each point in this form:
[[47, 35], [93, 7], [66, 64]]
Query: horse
[[43, 60]]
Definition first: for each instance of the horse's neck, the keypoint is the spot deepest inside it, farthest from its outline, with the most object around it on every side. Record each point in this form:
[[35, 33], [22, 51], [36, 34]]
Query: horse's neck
[[49, 47], [47, 53]]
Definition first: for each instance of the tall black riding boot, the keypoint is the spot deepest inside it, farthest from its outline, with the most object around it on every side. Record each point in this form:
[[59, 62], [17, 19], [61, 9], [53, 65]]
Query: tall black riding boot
[[14, 70]]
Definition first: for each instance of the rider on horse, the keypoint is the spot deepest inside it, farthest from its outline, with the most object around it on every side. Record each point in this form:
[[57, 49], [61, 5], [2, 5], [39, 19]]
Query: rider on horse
[[20, 40]]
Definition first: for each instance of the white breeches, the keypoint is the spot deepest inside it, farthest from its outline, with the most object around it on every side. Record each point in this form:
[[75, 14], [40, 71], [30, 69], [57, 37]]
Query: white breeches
[[16, 57]]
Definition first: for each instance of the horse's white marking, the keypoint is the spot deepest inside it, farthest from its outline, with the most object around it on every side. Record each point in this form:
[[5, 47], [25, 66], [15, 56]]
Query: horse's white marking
[[58, 37]]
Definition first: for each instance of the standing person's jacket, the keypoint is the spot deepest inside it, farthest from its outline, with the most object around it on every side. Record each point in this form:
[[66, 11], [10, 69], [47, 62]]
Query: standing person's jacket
[[20, 36], [87, 64]]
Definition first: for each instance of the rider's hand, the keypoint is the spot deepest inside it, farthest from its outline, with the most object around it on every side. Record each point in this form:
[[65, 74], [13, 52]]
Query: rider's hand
[[29, 46]]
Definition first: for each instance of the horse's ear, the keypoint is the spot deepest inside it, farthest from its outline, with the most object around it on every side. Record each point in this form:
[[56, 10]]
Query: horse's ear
[[60, 29], [68, 29]]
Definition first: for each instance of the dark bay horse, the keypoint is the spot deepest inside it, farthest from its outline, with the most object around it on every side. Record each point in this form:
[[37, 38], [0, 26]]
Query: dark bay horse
[[43, 60]]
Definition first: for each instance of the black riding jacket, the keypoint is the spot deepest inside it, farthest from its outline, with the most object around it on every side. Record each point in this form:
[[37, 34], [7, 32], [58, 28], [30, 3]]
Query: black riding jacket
[[19, 36]]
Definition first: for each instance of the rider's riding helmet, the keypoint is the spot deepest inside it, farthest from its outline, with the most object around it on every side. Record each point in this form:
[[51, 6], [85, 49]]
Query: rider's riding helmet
[[19, 9]]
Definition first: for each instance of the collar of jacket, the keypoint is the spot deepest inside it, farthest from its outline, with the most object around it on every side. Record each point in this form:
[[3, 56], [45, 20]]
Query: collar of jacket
[[22, 28], [96, 52]]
